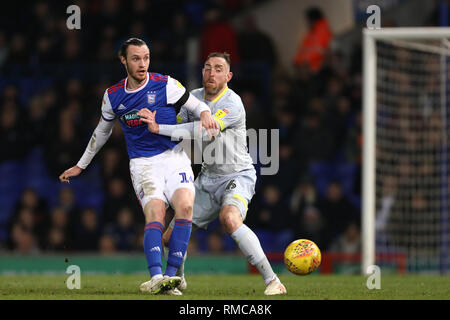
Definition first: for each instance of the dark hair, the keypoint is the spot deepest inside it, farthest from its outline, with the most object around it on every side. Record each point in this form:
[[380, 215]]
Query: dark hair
[[126, 44], [224, 55]]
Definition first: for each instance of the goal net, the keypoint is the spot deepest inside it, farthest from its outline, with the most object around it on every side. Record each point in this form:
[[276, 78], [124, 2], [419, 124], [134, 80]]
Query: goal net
[[406, 151]]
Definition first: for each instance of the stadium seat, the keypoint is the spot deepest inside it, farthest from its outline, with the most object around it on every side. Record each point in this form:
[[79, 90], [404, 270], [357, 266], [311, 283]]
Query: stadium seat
[[325, 172], [29, 86], [7, 203], [229, 243], [267, 239], [322, 174], [282, 239], [202, 235], [11, 174], [88, 188]]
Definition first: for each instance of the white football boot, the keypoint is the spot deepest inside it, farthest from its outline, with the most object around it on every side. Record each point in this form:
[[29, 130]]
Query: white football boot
[[183, 284], [178, 290], [275, 287], [173, 292], [162, 284]]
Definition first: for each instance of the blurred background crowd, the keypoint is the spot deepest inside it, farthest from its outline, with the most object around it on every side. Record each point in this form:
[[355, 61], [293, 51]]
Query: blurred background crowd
[[52, 80]]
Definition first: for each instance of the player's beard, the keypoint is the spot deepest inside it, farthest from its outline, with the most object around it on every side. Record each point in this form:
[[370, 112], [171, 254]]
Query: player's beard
[[136, 76], [212, 89]]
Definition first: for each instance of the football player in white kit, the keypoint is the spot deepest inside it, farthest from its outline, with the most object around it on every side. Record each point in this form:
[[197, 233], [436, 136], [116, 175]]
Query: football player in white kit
[[223, 188], [160, 170]]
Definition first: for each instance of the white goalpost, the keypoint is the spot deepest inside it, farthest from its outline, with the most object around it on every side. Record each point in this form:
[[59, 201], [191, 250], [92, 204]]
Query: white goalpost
[[405, 178]]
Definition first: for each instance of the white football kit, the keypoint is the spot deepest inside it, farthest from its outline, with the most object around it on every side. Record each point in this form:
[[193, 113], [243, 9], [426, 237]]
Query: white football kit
[[229, 181], [232, 180]]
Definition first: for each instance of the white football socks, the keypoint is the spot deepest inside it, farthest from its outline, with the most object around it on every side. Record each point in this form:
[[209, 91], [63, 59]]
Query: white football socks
[[250, 246]]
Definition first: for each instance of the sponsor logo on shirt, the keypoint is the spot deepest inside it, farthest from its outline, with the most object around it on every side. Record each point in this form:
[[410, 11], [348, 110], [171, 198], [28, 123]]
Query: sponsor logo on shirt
[[131, 119]]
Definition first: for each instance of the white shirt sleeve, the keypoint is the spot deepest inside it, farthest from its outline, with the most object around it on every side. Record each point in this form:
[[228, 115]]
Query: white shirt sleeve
[[175, 90], [107, 111], [188, 130], [101, 134]]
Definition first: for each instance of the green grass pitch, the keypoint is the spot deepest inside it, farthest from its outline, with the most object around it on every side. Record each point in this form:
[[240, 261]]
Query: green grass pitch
[[228, 287]]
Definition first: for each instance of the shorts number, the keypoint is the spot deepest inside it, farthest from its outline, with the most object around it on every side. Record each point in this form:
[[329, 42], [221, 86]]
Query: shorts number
[[183, 177]]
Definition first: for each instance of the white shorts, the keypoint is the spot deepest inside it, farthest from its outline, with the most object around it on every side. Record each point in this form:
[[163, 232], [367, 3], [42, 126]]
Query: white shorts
[[158, 177]]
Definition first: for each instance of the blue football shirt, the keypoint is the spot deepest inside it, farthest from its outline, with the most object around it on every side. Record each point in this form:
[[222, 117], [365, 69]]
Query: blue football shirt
[[158, 92]]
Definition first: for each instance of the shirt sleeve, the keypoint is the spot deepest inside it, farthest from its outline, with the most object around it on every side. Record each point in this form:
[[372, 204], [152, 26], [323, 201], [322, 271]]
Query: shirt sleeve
[[174, 90], [188, 130], [183, 116], [100, 135], [227, 116], [178, 96], [107, 111]]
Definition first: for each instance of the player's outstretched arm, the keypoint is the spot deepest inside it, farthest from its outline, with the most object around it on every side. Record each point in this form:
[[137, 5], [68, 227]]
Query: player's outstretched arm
[[179, 97], [201, 110], [101, 134], [175, 131]]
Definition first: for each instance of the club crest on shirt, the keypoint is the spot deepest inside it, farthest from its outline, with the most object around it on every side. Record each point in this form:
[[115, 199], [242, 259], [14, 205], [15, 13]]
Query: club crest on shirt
[[151, 98]]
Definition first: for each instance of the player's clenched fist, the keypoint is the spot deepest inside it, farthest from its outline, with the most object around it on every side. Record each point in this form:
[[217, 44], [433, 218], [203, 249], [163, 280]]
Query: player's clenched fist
[[72, 172], [148, 117], [209, 123]]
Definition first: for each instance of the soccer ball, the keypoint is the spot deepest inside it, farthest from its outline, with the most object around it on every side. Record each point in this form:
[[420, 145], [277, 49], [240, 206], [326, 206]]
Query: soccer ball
[[302, 257]]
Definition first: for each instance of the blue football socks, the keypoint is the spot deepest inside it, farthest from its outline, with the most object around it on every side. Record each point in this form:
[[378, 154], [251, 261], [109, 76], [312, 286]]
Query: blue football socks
[[153, 246], [178, 245]]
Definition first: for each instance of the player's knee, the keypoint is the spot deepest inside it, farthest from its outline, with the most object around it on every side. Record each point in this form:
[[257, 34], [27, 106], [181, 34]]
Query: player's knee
[[183, 201], [230, 219], [154, 211], [184, 211]]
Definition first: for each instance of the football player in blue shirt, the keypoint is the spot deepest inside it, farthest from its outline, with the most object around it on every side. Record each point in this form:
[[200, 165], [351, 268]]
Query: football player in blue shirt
[[160, 170]]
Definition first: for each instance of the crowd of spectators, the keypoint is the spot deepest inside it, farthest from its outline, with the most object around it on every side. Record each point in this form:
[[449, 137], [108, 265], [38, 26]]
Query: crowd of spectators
[[50, 96]]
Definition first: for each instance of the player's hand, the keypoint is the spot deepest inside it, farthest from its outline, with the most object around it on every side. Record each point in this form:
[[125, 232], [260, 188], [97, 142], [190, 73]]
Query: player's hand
[[150, 119], [72, 172], [208, 122]]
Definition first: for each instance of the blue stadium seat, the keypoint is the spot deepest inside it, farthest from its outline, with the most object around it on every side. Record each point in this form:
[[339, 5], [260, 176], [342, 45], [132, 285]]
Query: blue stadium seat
[[88, 188], [11, 176], [326, 172], [38, 177], [322, 174], [282, 239], [7, 202], [202, 235], [3, 234], [345, 173], [267, 239], [29, 86], [229, 243]]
